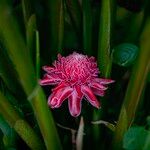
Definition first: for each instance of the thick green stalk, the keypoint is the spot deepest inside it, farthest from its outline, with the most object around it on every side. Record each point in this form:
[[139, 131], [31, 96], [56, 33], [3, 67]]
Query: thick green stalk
[[20, 56], [87, 27], [105, 26], [136, 85], [20, 126], [104, 56]]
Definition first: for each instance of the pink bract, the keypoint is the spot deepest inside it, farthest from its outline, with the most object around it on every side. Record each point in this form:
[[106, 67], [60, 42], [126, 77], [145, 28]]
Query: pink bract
[[75, 77]]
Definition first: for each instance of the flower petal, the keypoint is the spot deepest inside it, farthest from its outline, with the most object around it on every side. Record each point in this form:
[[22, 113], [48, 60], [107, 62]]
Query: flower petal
[[49, 80], [58, 96], [103, 81], [90, 96], [98, 86], [60, 86], [48, 69], [98, 92], [74, 103]]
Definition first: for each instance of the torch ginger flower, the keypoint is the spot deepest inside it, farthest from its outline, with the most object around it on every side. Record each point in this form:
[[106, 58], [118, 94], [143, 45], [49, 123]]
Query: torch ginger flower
[[75, 77]]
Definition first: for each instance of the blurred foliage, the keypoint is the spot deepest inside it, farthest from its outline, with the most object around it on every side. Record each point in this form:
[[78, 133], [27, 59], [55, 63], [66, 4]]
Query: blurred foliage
[[32, 33], [125, 54], [134, 138]]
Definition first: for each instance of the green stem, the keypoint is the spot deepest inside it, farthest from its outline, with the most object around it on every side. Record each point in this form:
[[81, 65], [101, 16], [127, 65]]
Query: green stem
[[20, 126], [20, 57], [104, 38], [134, 91], [104, 55], [37, 55]]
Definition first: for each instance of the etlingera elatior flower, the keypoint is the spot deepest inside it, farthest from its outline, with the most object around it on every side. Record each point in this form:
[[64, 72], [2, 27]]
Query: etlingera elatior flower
[[75, 77]]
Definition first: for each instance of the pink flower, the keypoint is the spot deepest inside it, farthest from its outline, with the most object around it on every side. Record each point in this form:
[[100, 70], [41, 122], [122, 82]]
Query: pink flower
[[75, 77]]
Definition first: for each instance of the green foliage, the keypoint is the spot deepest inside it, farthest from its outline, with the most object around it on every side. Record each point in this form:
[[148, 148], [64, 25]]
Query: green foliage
[[125, 54], [32, 33], [134, 138], [9, 135]]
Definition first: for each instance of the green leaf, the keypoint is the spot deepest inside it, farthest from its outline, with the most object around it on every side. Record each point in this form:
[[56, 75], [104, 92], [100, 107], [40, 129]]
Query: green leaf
[[134, 138], [30, 34], [136, 84], [7, 73], [27, 10], [21, 58], [21, 126], [9, 138], [125, 54]]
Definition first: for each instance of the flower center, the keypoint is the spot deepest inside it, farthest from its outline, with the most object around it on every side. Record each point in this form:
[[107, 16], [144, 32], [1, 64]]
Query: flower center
[[77, 68]]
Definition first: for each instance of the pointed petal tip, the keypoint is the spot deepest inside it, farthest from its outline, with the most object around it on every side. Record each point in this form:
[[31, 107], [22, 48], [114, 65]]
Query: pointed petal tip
[[112, 81], [97, 105], [74, 114], [41, 82]]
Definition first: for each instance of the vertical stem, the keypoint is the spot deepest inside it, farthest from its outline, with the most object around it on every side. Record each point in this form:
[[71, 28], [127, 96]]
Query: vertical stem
[[23, 64], [135, 87], [37, 55], [104, 38], [104, 54]]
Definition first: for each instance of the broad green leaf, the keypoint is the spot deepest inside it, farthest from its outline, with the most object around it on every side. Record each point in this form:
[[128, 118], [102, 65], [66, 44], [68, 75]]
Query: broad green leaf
[[134, 138], [125, 54]]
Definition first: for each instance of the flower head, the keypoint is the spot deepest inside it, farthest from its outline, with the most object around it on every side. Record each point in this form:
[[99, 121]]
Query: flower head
[[75, 77]]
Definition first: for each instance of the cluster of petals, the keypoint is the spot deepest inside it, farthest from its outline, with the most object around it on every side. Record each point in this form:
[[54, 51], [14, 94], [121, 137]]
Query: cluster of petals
[[75, 78]]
